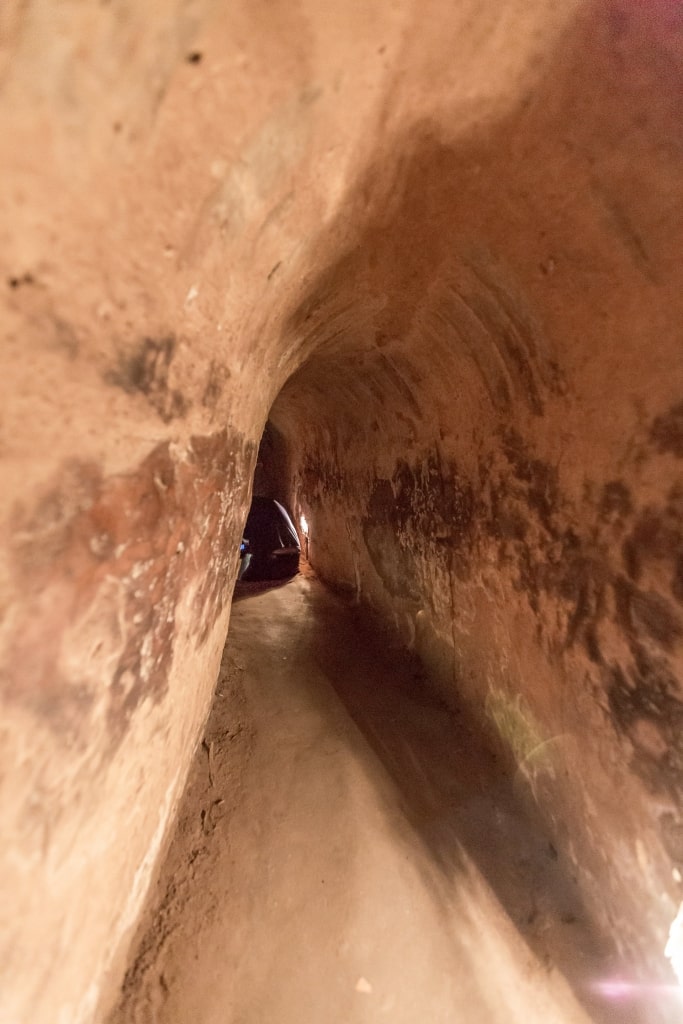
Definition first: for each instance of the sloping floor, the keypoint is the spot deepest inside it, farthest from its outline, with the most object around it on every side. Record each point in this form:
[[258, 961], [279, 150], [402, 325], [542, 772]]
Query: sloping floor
[[348, 853]]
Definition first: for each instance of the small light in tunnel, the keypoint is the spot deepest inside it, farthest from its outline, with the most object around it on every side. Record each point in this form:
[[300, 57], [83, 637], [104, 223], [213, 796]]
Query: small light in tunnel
[[622, 990], [674, 946], [303, 522]]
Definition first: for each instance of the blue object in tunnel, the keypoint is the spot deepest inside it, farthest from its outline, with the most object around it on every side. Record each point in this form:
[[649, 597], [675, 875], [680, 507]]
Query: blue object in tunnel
[[270, 547]]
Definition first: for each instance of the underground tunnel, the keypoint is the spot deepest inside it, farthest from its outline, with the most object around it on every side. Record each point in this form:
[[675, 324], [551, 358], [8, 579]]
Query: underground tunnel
[[414, 271]]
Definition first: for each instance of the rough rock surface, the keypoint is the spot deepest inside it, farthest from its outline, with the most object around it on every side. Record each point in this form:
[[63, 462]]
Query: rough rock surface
[[439, 243]]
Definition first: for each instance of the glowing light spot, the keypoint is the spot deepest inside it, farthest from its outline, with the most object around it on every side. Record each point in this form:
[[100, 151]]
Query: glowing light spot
[[304, 526], [615, 988], [674, 947], [620, 990]]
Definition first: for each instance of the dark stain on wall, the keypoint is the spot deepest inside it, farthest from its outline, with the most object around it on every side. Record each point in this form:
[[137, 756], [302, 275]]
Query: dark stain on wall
[[605, 577], [644, 692], [393, 560], [655, 541], [145, 371], [628, 625], [106, 560], [647, 615], [319, 477], [616, 503], [523, 513], [216, 379], [677, 579], [627, 622], [647, 694], [419, 507], [538, 480], [667, 431]]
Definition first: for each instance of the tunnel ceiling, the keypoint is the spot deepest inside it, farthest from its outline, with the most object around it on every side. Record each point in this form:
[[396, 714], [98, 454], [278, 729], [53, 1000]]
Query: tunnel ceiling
[[477, 271]]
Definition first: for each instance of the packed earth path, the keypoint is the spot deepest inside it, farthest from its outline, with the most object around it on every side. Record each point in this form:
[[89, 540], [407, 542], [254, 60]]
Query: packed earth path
[[348, 852]]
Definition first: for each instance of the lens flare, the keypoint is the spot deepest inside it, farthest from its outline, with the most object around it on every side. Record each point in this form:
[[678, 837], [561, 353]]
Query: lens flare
[[621, 990], [618, 990]]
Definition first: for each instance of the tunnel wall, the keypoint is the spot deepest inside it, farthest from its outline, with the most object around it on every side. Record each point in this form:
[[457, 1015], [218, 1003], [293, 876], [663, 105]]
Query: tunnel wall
[[147, 157], [200, 204], [569, 664]]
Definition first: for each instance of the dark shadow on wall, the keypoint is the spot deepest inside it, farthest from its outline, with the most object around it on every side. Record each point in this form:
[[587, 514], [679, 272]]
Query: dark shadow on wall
[[271, 476], [466, 808]]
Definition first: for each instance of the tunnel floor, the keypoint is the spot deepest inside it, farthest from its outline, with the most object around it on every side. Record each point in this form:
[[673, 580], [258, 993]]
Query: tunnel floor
[[348, 852]]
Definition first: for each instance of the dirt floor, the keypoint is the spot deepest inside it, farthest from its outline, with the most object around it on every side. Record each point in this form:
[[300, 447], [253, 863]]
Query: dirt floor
[[347, 852]]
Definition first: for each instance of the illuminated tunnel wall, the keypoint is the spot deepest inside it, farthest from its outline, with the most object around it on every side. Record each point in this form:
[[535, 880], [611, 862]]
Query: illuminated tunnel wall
[[487, 449], [439, 246]]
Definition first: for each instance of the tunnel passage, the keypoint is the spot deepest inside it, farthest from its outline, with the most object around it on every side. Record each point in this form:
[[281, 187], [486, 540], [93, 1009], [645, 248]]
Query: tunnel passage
[[451, 439], [347, 848], [443, 247]]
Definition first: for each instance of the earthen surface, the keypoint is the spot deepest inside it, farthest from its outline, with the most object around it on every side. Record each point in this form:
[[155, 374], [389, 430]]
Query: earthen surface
[[348, 851], [436, 247]]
